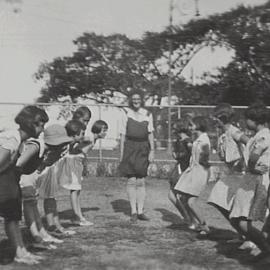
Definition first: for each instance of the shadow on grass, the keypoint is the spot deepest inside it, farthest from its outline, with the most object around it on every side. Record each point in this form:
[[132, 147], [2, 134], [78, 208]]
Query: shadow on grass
[[121, 206], [169, 216], [6, 252], [231, 250], [69, 214]]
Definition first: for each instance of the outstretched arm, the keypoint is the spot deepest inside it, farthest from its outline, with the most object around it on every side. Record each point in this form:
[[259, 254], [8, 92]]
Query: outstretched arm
[[152, 150]]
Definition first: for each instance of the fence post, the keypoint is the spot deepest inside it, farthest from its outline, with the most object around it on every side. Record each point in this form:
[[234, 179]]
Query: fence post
[[179, 112], [169, 146], [100, 141]]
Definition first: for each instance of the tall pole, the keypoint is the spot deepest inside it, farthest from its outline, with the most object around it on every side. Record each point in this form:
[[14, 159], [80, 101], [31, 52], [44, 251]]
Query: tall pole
[[197, 13], [170, 77]]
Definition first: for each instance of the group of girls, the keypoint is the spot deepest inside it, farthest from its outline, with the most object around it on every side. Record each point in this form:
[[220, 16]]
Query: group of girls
[[33, 166], [241, 193]]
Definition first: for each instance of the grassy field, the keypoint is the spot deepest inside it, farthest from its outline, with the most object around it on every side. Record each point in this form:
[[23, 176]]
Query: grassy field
[[113, 243]]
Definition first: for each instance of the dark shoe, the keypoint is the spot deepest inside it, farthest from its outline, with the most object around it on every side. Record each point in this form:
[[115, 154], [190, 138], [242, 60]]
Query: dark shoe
[[143, 217], [133, 218], [37, 239]]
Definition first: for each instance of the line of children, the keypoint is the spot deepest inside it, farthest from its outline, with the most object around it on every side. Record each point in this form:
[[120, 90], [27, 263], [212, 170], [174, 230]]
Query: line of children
[[72, 169], [34, 155], [241, 193], [31, 121], [50, 177], [38, 167]]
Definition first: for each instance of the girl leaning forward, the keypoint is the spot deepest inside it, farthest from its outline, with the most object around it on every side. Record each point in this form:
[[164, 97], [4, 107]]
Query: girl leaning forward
[[248, 202], [194, 179]]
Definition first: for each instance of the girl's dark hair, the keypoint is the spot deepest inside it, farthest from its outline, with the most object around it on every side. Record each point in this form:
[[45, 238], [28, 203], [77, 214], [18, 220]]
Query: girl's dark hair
[[135, 92], [182, 126], [30, 117], [257, 113], [98, 126], [74, 127], [81, 112], [224, 112], [201, 123]]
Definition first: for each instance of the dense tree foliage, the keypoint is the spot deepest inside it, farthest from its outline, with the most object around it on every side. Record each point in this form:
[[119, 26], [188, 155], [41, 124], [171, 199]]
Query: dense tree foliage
[[116, 62]]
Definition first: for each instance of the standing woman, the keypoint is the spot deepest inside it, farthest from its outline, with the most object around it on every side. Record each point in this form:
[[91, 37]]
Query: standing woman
[[137, 150], [31, 121]]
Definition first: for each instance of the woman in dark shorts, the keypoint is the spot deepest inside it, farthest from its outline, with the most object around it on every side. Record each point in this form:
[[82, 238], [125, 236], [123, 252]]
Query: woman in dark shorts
[[31, 122], [137, 150]]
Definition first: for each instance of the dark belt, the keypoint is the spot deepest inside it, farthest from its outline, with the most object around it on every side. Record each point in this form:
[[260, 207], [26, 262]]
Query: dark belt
[[135, 139]]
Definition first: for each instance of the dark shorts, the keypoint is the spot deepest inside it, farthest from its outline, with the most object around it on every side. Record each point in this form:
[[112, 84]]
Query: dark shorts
[[10, 196], [135, 159]]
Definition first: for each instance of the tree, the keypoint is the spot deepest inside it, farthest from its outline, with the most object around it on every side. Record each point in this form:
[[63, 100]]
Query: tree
[[116, 62]]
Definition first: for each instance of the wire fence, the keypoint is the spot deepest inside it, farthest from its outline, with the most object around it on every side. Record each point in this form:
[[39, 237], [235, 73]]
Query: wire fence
[[109, 148]]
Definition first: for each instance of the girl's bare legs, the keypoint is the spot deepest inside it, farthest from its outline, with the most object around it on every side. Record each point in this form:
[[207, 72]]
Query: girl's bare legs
[[79, 206], [75, 204], [176, 199], [192, 220], [30, 216], [15, 237], [192, 203], [49, 209]]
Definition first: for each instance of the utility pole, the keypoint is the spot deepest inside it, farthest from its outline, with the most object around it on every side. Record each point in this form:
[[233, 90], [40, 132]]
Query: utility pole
[[170, 77], [171, 8]]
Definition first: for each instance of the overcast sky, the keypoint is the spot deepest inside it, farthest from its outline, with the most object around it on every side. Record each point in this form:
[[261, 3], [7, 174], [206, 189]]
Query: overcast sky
[[40, 30]]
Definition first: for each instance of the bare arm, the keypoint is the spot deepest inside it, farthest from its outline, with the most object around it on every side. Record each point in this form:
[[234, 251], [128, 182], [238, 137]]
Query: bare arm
[[151, 142], [244, 139], [30, 150], [122, 140], [253, 159]]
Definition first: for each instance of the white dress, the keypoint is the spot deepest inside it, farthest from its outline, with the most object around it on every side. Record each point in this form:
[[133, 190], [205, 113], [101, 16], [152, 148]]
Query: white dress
[[194, 178]]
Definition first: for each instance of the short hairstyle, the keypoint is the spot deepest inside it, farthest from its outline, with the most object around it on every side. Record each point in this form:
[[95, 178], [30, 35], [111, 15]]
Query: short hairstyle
[[98, 126], [224, 112], [74, 127], [201, 123], [81, 112], [30, 117], [182, 126], [135, 92], [258, 113]]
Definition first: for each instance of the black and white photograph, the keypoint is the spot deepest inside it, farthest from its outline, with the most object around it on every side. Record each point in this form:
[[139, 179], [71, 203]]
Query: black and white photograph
[[135, 134]]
